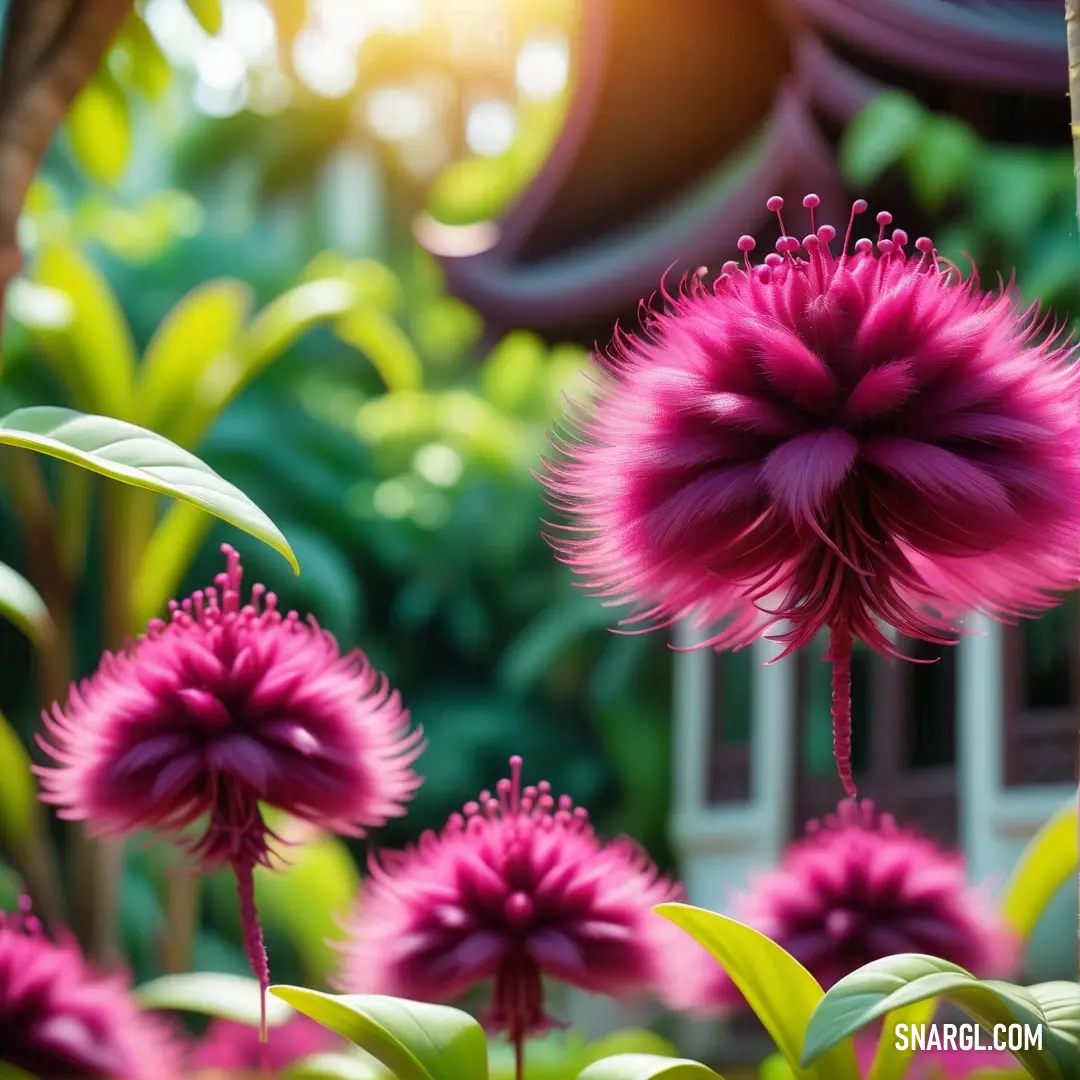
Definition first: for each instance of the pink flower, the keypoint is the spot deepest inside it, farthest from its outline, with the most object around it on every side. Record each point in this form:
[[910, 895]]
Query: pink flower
[[60, 1020], [225, 707], [515, 888], [833, 442], [857, 888], [232, 1047]]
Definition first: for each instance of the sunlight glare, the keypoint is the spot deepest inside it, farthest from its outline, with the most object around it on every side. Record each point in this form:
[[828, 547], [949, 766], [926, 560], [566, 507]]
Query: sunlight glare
[[543, 68], [490, 128], [248, 26], [397, 113], [176, 30], [325, 65]]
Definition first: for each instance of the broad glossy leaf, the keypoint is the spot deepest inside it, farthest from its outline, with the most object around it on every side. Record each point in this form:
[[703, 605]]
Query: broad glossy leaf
[[19, 808], [334, 1067], [890, 1063], [21, 606], [896, 982], [94, 350], [880, 135], [306, 897], [201, 327], [414, 1040], [209, 14], [647, 1067], [1048, 861], [141, 458], [782, 993], [1060, 1001], [99, 128], [269, 334], [386, 346], [231, 997]]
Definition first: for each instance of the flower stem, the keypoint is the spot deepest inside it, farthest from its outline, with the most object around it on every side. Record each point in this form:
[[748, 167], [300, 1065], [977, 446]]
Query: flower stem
[[253, 935], [1072, 35], [519, 1057], [840, 646]]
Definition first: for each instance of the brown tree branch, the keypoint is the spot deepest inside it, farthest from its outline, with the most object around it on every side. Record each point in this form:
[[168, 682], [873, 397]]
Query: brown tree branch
[[51, 49]]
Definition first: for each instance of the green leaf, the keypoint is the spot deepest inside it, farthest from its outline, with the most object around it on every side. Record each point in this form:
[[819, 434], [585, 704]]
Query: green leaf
[[414, 1040], [386, 346], [782, 993], [203, 326], [211, 993], [166, 558], [99, 128], [208, 12], [269, 334], [306, 897], [19, 808], [889, 1062], [94, 349], [896, 982], [334, 1067], [941, 159], [10, 1072], [880, 135], [21, 605], [1048, 861], [1060, 1002], [141, 458], [647, 1067]]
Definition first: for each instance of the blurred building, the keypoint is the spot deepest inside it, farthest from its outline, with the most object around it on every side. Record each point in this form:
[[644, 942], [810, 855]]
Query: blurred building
[[976, 747]]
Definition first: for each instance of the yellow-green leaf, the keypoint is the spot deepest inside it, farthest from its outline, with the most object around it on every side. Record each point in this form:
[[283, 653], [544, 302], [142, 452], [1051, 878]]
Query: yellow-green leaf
[[201, 327], [334, 1067], [1048, 861], [93, 349], [413, 1039], [386, 346], [212, 993], [141, 458], [782, 993], [209, 14], [269, 334], [21, 605], [149, 72], [889, 1062], [167, 556], [19, 808], [306, 897], [647, 1067], [99, 128]]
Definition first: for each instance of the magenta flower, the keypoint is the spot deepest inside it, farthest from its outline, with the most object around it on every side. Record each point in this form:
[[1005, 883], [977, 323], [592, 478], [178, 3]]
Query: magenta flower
[[230, 1047], [857, 888], [829, 441], [515, 888], [60, 1020], [223, 708]]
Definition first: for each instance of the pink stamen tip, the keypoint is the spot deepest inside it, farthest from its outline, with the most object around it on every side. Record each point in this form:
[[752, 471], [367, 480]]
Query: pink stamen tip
[[774, 204], [826, 234], [746, 243], [810, 240], [811, 201], [773, 259], [729, 267], [899, 237], [924, 244], [864, 245], [884, 217], [859, 206], [886, 247]]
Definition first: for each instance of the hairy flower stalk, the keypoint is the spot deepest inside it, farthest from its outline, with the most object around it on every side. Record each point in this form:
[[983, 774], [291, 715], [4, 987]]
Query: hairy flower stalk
[[515, 888], [61, 1020], [849, 442], [224, 708]]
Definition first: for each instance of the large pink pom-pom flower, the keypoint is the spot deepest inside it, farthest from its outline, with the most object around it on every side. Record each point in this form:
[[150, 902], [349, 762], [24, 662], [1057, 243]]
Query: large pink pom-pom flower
[[60, 1020], [225, 707], [515, 888], [857, 888], [847, 441]]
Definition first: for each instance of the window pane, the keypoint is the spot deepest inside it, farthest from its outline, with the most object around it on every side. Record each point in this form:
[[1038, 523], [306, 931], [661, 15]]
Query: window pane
[[1049, 649], [732, 697], [931, 721], [816, 709]]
